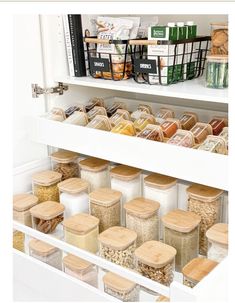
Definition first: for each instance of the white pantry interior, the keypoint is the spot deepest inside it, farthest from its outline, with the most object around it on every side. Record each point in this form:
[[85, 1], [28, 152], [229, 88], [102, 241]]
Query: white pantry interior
[[40, 57]]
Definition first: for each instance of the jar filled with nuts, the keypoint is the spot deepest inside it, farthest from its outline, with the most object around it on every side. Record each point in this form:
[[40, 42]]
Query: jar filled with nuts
[[196, 270], [142, 217], [45, 185], [188, 120], [117, 244], [205, 201], [66, 163]]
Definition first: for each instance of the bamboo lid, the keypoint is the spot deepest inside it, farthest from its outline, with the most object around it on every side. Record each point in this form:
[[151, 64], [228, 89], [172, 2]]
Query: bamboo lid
[[75, 263], [22, 202], [41, 248], [93, 164], [64, 156], [160, 181], [155, 253], [105, 196], [181, 220], [141, 207], [73, 185], [81, 223], [124, 172], [198, 268], [204, 193], [46, 177], [218, 233], [118, 283], [117, 237], [47, 210]]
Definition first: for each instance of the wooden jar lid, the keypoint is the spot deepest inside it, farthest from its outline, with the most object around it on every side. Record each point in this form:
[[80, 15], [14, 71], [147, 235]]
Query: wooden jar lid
[[46, 177], [142, 207], [64, 156], [94, 164], [204, 193], [105, 196], [198, 268], [181, 220], [159, 181], [80, 223], [73, 185], [47, 210], [155, 254], [41, 248], [22, 202], [218, 233], [124, 172], [117, 283], [117, 237], [75, 263]]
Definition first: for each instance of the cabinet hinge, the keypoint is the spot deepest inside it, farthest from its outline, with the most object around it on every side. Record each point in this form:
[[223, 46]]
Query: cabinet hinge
[[59, 89]]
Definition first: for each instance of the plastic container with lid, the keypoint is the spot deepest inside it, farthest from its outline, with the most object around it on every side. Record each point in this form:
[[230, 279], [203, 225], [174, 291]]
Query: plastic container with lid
[[188, 120], [224, 134], [96, 172], [97, 110], [196, 270], [21, 208], [219, 38], [74, 108], [217, 237], [217, 71], [124, 127], [118, 116], [163, 114], [152, 132], [46, 253], [156, 261], [114, 107], [117, 244], [77, 118], [94, 102], [105, 204], [74, 196], [205, 201], [142, 108], [182, 138], [218, 123], [200, 132], [143, 121], [56, 114], [100, 122], [214, 144], [127, 180], [45, 185], [170, 126], [163, 189], [181, 231], [82, 230], [142, 217], [66, 163], [80, 269], [120, 288]]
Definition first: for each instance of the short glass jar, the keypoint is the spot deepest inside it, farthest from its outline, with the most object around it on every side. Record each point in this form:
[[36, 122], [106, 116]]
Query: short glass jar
[[181, 231], [152, 132], [74, 196], [183, 138], [170, 126], [214, 144], [142, 108], [44, 185], [142, 217], [124, 127], [188, 120], [143, 121], [80, 269], [218, 123], [77, 118], [118, 116], [117, 244], [100, 122], [163, 114], [200, 132], [82, 230]]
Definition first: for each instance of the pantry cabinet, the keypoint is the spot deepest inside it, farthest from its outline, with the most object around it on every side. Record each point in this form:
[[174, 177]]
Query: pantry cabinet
[[36, 137]]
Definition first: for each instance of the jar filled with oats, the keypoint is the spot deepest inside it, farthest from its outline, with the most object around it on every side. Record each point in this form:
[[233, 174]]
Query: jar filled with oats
[[117, 244], [45, 185], [196, 270], [205, 201], [120, 288], [181, 231], [142, 217]]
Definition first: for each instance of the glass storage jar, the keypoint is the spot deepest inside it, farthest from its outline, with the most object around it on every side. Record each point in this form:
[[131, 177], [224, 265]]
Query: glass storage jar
[[120, 288], [118, 116], [96, 172], [163, 114], [18, 240], [80, 269], [46, 216], [188, 120], [82, 230], [127, 180], [142, 108], [217, 124], [152, 132], [217, 71], [156, 261], [114, 107], [77, 118], [66, 163], [100, 122], [205, 201], [117, 244], [21, 208], [214, 144], [217, 237], [46, 253], [219, 38], [74, 196], [97, 110], [142, 217], [170, 126], [196, 270], [200, 132], [105, 205], [56, 114], [163, 189], [181, 231], [45, 185], [143, 121], [182, 138], [94, 102], [124, 127]]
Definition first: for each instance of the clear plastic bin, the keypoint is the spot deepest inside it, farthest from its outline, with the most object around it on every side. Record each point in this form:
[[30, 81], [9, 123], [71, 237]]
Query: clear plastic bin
[[143, 121], [182, 138], [94, 102], [152, 132], [100, 122], [56, 114], [217, 124], [118, 116], [77, 118], [170, 126], [219, 38], [97, 110], [224, 134], [74, 108], [125, 128], [217, 71], [142, 108], [163, 114], [214, 144], [200, 132], [188, 120], [111, 110]]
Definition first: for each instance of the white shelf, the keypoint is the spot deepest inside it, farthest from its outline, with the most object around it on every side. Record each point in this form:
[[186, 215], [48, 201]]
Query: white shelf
[[191, 89]]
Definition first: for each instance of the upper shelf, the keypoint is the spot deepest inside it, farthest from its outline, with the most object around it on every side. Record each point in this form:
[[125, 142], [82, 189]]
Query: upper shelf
[[192, 89]]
